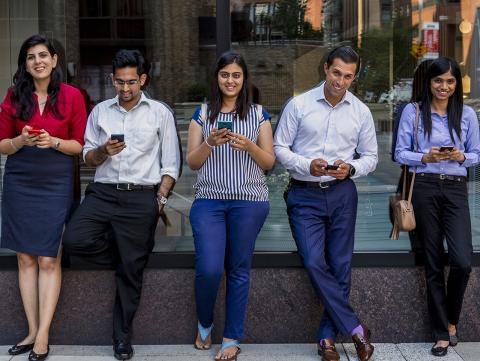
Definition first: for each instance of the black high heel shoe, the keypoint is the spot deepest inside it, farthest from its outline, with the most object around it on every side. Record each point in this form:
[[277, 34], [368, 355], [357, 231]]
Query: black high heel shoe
[[19, 349], [33, 356]]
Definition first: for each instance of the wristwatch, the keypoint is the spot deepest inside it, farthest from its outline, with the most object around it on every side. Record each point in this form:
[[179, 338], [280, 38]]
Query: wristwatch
[[161, 199], [352, 170], [57, 144]]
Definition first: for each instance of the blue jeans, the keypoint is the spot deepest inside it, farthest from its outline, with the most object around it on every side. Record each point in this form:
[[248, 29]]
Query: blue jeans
[[225, 232], [323, 226]]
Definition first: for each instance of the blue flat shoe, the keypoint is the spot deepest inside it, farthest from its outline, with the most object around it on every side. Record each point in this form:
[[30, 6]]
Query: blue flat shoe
[[226, 345], [203, 332]]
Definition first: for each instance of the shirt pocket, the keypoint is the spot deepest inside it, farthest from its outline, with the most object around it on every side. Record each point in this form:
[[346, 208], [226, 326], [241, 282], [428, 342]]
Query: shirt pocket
[[145, 138]]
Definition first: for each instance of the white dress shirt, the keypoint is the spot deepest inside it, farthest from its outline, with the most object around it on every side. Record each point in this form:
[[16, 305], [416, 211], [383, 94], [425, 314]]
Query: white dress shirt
[[152, 149], [310, 128]]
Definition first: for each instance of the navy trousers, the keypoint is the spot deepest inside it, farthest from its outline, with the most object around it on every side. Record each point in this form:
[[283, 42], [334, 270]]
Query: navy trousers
[[323, 226], [225, 232]]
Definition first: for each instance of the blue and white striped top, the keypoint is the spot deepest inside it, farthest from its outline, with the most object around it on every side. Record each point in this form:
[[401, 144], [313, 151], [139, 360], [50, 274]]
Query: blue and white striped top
[[227, 173]]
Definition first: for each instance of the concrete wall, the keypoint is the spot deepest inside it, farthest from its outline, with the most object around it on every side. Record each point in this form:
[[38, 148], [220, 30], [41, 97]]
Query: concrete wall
[[282, 307]]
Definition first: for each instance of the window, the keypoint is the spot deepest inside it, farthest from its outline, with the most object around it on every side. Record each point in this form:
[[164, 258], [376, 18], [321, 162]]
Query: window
[[284, 42]]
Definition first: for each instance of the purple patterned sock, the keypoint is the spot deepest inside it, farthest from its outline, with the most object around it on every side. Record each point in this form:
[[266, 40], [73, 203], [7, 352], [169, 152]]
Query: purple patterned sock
[[358, 329]]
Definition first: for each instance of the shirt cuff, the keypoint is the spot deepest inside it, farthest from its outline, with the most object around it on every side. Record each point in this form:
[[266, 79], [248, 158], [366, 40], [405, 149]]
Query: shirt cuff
[[170, 172], [470, 159], [85, 151], [416, 159], [305, 164]]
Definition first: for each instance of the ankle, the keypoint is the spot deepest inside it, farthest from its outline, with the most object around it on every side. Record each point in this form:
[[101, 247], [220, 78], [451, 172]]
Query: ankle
[[29, 339], [452, 329], [41, 339]]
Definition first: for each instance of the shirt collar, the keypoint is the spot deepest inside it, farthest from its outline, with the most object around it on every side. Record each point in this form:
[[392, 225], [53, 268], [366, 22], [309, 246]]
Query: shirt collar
[[348, 97], [143, 99]]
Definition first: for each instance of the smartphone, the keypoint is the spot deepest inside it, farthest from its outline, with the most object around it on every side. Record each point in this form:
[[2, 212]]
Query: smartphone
[[119, 137], [331, 167], [33, 132], [446, 147], [222, 125]]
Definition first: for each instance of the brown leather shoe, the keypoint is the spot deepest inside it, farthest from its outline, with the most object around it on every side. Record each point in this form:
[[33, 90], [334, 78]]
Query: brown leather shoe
[[362, 344], [328, 351]]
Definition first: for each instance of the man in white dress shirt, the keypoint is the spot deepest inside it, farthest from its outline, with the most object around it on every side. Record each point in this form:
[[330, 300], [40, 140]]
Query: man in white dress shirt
[[325, 137], [132, 142]]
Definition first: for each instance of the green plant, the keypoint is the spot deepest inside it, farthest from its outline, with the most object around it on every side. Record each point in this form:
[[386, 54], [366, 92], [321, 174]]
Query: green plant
[[196, 92]]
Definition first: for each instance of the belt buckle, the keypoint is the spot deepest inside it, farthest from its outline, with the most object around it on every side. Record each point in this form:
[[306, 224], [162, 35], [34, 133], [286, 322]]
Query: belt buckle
[[442, 177], [121, 187], [323, 185]]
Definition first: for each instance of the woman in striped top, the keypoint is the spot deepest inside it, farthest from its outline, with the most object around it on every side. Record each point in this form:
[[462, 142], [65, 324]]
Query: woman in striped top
[[230, 145]]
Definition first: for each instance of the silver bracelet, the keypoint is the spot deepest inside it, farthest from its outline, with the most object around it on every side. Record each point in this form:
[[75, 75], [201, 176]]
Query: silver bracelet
[[14, 146], [210, 146]]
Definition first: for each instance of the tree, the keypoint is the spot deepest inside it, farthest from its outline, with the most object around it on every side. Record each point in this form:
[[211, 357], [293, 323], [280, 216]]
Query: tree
[[289, 18]]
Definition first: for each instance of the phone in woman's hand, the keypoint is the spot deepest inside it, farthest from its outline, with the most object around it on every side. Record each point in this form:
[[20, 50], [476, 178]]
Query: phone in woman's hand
[[34, 132]]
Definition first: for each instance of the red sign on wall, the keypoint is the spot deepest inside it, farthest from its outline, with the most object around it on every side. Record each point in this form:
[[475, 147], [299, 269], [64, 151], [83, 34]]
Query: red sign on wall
[[430, 39]]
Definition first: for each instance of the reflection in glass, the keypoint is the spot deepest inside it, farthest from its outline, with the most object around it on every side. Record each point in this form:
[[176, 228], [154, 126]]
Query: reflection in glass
[[284, 42], [285, 50]]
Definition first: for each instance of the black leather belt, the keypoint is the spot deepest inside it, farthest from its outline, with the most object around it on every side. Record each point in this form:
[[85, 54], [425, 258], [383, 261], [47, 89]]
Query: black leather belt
[[130, 186], [322, 185], [456, 178]]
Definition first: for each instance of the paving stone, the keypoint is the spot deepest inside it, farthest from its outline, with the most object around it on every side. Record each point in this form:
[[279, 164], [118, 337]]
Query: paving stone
[[468, 351], [421, 352], [76, 350], [258, 352], [383, 352]]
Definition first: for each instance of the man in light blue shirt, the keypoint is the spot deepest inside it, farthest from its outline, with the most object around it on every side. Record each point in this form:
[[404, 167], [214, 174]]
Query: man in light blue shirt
[[318, 139]]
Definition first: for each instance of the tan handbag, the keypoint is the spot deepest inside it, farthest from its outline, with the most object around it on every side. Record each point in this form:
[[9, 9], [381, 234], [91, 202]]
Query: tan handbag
[[402, 208]]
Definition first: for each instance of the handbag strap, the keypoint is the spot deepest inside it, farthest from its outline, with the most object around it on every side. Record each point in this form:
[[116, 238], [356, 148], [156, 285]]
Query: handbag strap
[[417, 115], [404, 181]]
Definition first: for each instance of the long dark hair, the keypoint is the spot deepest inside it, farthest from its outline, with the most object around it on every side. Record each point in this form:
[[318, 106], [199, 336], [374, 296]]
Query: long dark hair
[[418, 83], [438, 67], [243, 101], [23, 86]]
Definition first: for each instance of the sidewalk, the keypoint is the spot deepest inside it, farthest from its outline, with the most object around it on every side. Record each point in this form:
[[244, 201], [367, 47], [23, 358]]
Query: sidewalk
[[466, 351]]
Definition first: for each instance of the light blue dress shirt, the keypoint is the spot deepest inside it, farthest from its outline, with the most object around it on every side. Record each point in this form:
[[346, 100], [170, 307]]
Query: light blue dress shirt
[[469, 144], [310, 128]]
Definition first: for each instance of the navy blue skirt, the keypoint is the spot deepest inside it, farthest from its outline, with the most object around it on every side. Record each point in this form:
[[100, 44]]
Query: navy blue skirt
[[37, 199]]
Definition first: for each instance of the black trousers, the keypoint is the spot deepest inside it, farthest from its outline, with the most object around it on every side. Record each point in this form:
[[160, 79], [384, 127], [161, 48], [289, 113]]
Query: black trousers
[[115, 228], [441, 212]]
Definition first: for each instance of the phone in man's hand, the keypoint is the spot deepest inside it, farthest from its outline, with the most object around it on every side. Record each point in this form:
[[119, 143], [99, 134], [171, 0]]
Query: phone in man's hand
[[446, 148], [331, 167], [119, 137]]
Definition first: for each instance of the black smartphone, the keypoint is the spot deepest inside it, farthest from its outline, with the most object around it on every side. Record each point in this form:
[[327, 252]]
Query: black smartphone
[[222, 125], [119, 137], [331, 167], [446, 147]]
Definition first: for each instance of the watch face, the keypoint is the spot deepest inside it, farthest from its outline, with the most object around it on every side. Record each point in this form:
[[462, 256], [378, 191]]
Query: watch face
[[162, 200]]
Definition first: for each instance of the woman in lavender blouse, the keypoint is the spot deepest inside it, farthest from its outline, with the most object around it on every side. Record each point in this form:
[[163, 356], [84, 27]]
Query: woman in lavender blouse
[[448, 143]]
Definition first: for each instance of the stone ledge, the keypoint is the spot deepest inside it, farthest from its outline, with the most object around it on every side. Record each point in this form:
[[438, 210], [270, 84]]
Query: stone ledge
[[282, 307]]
